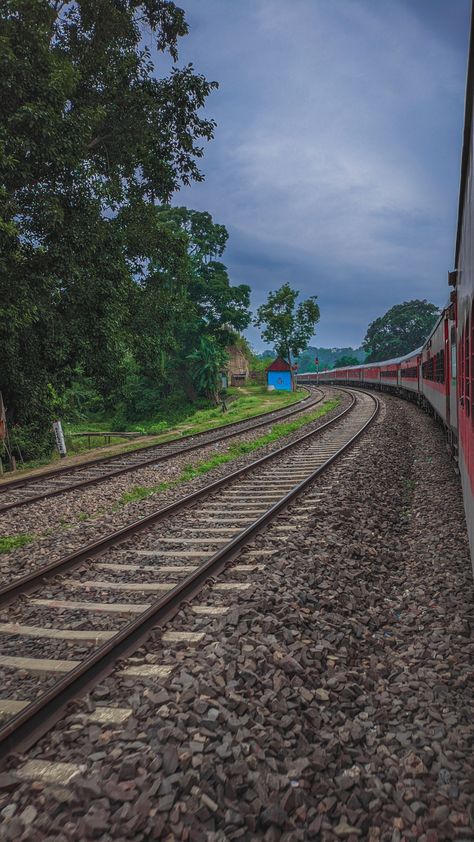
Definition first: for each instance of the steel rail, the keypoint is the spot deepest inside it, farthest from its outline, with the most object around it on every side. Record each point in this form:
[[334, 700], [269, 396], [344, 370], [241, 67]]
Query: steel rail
[[31, 580], [195, 445], [26, 727], [19, 481]]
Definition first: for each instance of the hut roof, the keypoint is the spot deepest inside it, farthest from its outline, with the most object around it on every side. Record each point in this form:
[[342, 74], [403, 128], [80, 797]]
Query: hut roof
[[279, 365]]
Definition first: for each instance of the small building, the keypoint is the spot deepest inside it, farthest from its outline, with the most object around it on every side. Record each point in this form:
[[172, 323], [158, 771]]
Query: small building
[[279, 375]]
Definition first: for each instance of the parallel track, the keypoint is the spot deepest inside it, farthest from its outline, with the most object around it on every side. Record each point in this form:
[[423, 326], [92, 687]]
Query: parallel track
[[241, 503], [22, 491]]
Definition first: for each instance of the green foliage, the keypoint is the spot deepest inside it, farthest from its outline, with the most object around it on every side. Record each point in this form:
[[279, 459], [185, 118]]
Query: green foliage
[[141, 492], [208, 362], [345, 361], [105, 290], [402, 329], [91, 138], [327, 357], [31, 441], [12, 542], [287, 326]]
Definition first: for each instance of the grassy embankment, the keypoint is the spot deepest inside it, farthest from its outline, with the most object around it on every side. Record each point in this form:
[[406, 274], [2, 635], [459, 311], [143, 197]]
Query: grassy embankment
[[171, 421], [187, 420]]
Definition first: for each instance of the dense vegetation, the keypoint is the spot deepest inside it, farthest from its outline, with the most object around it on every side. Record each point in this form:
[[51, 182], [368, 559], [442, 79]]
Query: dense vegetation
[[108, 295], [402, 329], [346, 360], [327, 357]]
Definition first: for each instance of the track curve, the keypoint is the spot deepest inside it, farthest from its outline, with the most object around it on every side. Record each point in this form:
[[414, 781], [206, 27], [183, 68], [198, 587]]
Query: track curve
[[242, 503], [23, 491]]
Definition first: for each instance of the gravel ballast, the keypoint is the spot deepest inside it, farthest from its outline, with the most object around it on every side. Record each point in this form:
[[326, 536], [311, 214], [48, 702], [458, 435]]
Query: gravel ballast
[[333, 700]]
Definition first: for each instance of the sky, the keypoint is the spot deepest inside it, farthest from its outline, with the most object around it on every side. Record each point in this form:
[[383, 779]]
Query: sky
[[335, 164]]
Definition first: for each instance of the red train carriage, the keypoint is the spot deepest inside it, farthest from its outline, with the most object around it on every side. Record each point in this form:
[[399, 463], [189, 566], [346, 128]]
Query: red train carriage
[[434, 361], [410, 370], [462, 279], [370, 373], [389, 373]]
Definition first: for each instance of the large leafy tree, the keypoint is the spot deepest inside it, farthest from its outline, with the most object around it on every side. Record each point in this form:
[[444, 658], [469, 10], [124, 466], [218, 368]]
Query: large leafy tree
[[287, 326], [345, 361], [402, 329], [90, 138], [216, 310], [222, 308]]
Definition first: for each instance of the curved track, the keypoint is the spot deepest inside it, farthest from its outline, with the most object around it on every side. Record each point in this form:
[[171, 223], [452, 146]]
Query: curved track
[[21, 491], [189, 541]]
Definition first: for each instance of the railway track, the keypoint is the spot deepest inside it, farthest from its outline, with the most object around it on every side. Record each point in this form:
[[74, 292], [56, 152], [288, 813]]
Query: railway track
[[22, 491], [59, 642]]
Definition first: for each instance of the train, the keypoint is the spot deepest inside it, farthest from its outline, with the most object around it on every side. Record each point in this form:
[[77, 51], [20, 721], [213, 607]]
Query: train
[[439, 375]]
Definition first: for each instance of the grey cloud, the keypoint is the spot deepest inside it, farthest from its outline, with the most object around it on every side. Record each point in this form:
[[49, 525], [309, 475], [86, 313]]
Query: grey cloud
[[335, 164]]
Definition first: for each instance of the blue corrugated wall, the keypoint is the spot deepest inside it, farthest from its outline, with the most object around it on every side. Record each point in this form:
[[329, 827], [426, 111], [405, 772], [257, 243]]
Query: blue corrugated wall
[[279, 379]]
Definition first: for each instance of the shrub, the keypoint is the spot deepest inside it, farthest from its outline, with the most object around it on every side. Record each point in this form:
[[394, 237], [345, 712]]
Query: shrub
[[31, 441]]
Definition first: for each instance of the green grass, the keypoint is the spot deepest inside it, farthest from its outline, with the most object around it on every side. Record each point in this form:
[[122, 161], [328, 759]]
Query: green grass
[[244, 401], [12, 542], [141, 491], [190, 472]]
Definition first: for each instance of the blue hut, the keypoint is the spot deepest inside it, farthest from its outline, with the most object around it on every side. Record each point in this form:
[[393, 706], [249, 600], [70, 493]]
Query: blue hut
[[279, 375]]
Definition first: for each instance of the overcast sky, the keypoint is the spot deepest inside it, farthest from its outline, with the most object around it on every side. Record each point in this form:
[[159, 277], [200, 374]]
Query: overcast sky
[[335, 164]]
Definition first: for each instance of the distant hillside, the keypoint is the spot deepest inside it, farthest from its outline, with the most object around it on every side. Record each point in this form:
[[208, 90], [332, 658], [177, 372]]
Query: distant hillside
[[327, 357]]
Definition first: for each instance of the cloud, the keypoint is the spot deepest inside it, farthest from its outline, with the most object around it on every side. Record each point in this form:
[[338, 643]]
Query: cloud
[[337, 151]]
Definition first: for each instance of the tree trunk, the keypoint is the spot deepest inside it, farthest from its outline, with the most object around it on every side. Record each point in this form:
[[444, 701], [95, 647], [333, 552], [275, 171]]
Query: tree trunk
[[293, 385]]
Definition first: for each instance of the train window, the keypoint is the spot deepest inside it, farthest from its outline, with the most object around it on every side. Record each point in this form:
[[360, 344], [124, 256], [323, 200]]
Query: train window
[[439, 367], [427, 369], [389, 373], [461, 370], [433, 369], [410, 372]]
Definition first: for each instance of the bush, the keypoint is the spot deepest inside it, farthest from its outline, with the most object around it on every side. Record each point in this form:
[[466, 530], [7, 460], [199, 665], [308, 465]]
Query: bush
[[156, 429], [31, 441]]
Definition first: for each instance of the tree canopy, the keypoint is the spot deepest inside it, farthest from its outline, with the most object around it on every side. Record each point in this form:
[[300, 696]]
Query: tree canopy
[[98, 273], [345, 361], [287, 326], [402, 329]]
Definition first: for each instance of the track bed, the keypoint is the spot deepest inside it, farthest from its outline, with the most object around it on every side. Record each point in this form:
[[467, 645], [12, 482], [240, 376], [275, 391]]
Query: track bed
[[332, 699], [21, 491]]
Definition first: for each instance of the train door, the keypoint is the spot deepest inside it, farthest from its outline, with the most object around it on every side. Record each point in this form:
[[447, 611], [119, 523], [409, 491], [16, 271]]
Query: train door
[[452, 373], [446, 374]]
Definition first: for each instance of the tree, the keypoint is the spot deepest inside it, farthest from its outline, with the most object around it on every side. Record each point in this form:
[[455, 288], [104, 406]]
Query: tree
[[288, 327], [345, 361], [87, 132], [208, 363], [222, 308], [402, 329]]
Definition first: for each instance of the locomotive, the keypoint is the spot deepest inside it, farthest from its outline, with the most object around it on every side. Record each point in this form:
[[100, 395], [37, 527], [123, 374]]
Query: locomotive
[[440, 374]]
